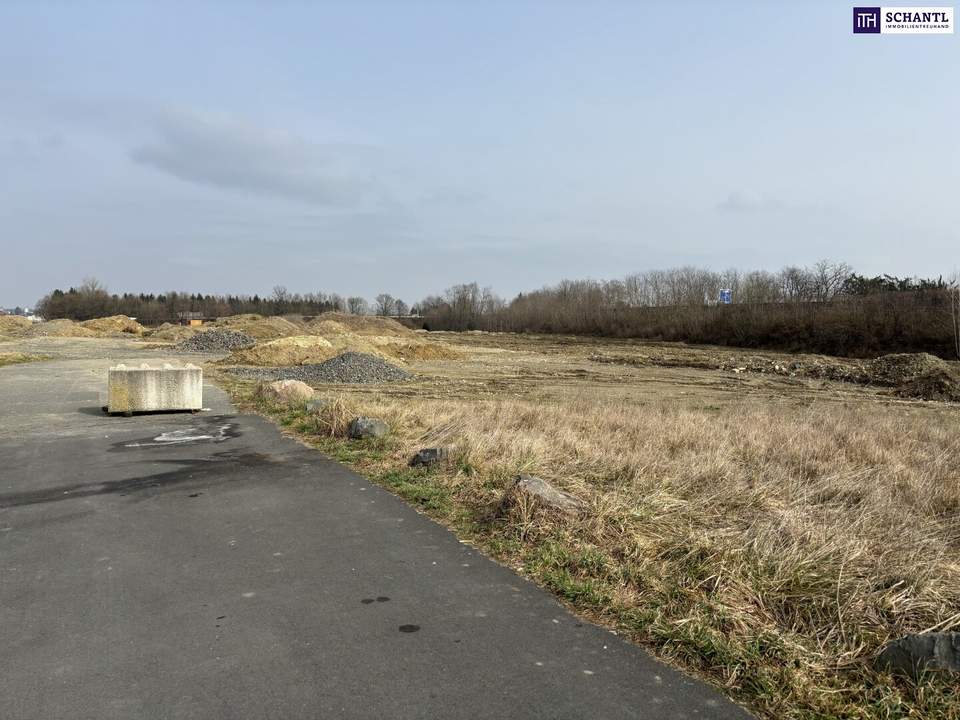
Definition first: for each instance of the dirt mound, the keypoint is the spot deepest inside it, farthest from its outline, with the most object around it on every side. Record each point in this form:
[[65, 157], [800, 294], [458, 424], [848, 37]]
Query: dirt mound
[[311, 349], [59, 328], [942, 385], [916, 375], [169, 332], [13, 324], [217, 340], [412, 349], [356, 324], [259, 327], [901, 368], [113, 325], [296, 350]]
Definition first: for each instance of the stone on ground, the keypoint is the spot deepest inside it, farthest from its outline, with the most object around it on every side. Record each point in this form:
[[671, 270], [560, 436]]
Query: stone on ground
[[288, 391], [912, 654], [429, 456], [362, 428], [544, 494]]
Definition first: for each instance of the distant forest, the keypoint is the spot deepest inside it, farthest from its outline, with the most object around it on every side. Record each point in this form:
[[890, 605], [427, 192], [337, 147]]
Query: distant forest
[[825, 308]]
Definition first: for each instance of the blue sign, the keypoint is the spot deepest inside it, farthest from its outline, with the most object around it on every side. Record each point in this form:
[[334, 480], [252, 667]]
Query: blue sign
[[726, 296]]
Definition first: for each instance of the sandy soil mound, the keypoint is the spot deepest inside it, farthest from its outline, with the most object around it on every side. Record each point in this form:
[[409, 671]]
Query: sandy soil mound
[[168, 332], [413, 348], [356, 324], [113, 325], [312, 349], [59, 328], [13, 324], [259, 327], [296, 350]]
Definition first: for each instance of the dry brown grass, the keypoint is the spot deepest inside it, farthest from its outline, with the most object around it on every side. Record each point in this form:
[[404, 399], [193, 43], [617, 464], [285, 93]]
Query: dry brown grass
[[15, 358], [774, 550], [772, 542]]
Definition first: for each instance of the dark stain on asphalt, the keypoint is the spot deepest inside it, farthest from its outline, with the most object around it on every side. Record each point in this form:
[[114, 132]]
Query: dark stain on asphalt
[[367, 601], [379, 598], [409, 628], [194, 494], [383, 598], [217, 469]]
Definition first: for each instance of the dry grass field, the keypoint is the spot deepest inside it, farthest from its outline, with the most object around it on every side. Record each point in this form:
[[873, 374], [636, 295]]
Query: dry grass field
[[763, 525]]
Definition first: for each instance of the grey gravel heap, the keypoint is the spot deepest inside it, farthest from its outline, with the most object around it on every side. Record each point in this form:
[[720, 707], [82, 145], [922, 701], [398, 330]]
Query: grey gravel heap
[[216, 341], [350, 367]]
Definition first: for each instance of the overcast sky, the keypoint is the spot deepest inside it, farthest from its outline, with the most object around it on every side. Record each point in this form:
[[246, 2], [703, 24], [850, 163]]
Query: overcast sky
[[363, 147]]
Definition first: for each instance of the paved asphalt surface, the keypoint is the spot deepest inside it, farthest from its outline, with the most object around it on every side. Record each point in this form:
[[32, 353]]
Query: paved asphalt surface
[[204, 566]]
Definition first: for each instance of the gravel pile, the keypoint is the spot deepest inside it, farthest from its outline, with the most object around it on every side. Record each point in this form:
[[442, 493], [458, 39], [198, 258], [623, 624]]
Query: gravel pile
[[350, 367], [216, 341]]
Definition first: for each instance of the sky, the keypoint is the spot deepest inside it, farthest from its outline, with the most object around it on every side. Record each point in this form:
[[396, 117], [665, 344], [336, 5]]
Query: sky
[[403, 147]]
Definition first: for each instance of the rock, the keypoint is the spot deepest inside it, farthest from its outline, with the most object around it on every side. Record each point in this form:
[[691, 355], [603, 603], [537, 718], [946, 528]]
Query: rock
[[912, 654], [316, 405], [288, 391], [362, 428], [429, 456], [544, 493]]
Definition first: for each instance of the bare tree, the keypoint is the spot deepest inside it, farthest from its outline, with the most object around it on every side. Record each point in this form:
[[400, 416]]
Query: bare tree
[[357, 306], [281, 299], [384, 304]]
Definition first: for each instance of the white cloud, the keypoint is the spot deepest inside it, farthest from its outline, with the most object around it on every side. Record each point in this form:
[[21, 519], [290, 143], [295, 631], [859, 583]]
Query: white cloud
[[222, 152], [746, 201]]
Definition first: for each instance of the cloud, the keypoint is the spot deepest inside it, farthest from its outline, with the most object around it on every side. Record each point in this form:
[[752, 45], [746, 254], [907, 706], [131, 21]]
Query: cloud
[[745, 201], [222, 152]]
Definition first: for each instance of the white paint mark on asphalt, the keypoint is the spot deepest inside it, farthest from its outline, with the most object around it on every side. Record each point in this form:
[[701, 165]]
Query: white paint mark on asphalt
[[588, 672], [178, 437], [248, 594]]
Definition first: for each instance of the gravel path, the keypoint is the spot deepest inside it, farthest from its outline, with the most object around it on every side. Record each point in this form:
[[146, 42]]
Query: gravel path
[[350, 367]]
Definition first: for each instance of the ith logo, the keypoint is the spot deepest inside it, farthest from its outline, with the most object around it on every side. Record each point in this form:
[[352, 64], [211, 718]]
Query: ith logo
[[866, 20]]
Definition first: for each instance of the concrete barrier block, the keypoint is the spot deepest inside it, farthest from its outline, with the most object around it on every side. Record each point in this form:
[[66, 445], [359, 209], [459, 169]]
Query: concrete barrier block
[[150, 389]]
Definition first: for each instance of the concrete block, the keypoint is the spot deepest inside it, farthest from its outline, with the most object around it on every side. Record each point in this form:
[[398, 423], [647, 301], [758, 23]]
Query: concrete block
[[151, 389]]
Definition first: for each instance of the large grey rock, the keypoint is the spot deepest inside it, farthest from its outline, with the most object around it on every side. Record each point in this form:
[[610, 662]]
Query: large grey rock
[[429, 456], [912, 654], [545, 494], [362, 428]]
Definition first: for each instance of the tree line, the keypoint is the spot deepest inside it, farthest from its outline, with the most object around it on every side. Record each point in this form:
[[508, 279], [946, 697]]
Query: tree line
[[826, 308], [91, 300]]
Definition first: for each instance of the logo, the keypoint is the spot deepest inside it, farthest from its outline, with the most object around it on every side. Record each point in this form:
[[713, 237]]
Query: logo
[[903, 20], [866, 20]]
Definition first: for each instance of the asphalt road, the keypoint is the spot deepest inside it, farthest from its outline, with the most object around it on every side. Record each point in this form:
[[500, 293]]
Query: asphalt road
[[180, 566]]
